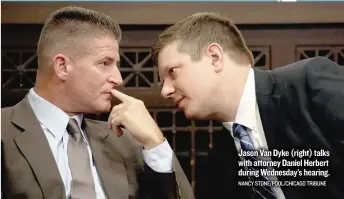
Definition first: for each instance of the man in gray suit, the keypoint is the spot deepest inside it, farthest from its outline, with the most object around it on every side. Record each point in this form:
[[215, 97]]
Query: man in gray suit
[[49, 150]]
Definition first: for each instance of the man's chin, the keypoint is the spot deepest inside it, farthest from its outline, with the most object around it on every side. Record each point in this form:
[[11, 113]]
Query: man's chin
[[103, 108], [191, 115], [195, 114]]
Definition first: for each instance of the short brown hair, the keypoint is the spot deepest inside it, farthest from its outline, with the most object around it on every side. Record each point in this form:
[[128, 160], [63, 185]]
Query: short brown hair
[[199, 30], [64, 26]]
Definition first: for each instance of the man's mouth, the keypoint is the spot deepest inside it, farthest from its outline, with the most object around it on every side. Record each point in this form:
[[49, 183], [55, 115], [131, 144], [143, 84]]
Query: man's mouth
[[178, 101]]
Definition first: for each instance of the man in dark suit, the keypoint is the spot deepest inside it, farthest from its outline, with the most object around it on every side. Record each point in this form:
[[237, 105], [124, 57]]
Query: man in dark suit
[[206, 69], [49, 150]]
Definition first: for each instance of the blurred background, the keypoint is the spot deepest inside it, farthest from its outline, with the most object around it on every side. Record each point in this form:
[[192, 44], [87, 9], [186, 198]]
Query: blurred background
[[277, 34]]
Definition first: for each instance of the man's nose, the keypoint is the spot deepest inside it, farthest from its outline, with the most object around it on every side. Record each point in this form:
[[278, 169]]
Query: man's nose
[[167, 90], [116, 78]]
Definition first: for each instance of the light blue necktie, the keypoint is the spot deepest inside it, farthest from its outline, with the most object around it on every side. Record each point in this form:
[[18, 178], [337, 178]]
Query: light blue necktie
[[240, 132]]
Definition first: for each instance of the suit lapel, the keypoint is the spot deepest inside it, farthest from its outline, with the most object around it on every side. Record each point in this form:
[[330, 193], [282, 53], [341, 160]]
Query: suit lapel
[[269, 103], [271, 109], [108, 161], [34, 146]]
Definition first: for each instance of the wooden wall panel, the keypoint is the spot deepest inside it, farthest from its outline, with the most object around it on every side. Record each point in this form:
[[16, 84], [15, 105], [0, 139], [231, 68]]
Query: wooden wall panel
[[191, 140], [170, 12]]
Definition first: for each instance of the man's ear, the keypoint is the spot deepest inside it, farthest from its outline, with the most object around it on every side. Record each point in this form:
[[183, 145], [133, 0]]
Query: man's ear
[[61, 64], [215, 51]]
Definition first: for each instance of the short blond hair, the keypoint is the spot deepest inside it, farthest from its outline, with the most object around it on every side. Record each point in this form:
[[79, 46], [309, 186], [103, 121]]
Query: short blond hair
[[64, 27], [199, 30]]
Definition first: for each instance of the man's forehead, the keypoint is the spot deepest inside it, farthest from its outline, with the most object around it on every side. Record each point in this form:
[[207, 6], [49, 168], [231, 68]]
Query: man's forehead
[[108, 42], [170, 48], [102, 45], [168, 56]]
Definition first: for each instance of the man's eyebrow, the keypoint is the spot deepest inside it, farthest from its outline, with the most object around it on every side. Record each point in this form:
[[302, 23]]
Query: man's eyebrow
[[168, 67], [116, 58], [163, 73], [107, 58]]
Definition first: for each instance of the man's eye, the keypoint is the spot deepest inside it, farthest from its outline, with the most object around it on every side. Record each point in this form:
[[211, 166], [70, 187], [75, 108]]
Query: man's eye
[[172, 71]]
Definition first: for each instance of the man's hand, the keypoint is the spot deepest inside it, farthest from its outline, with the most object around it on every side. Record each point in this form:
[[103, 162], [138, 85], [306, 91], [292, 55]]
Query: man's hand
[[133, 115]]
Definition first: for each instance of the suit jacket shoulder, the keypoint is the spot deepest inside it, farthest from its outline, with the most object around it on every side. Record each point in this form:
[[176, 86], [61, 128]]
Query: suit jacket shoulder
[[301, 108], [6, 115], [23, 149], [306, 70]]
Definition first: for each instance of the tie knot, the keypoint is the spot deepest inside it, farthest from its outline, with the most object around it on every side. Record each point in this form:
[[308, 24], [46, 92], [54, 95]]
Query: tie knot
[[73, 126], [239, 130]]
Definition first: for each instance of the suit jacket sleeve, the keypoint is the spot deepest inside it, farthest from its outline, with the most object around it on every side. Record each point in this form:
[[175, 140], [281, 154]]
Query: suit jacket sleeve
[[154, 185], [165, 185], [325, 84], [325, 81]]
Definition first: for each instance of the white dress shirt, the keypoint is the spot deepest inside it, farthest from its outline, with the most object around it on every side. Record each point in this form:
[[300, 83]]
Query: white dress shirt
[[248, 116], [54, 123]]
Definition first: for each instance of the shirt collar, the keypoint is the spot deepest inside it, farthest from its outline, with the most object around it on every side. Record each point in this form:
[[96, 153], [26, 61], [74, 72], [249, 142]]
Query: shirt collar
[[51, 116], [246, 114]]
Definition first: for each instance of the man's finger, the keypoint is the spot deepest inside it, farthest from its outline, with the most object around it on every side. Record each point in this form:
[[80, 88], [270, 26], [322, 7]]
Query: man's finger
[[121, 96], [116, 124], [119, 132], [116, 109]]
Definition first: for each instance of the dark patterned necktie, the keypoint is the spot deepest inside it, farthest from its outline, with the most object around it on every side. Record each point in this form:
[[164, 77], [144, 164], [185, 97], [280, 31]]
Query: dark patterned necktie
[[82, 186], [265, 192]]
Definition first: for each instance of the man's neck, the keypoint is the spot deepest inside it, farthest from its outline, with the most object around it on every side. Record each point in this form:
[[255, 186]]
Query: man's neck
[[230, 93], [53, 95]]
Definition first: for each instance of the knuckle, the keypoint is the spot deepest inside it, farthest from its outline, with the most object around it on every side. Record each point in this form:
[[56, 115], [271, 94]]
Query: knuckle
[[139, 103], [125, 114]]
